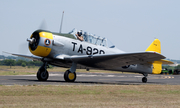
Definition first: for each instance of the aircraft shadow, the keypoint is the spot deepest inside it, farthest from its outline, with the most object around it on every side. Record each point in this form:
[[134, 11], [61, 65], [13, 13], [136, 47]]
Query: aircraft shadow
[[54, 82]]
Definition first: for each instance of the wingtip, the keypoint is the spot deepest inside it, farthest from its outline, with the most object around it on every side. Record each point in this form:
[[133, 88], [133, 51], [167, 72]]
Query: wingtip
[[6, 52]]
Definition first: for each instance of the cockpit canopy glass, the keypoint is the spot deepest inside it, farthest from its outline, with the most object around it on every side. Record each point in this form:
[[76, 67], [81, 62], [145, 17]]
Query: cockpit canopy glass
[[93, 39]]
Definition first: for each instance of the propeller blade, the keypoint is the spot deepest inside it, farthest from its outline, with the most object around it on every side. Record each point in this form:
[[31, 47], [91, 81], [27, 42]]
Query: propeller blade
[[23, 48], [43, 25]]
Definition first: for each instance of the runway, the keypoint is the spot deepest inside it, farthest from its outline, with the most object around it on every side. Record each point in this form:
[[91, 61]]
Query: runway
[[87, 78]]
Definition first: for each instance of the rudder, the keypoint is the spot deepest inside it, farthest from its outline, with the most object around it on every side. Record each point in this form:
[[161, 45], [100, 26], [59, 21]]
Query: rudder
[[156, 47]]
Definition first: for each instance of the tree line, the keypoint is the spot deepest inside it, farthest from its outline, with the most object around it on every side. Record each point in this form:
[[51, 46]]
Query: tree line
[[11, 62]]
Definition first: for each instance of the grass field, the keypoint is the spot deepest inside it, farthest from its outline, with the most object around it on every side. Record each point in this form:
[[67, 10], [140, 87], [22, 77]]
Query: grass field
[[81, 96], [19, 70]]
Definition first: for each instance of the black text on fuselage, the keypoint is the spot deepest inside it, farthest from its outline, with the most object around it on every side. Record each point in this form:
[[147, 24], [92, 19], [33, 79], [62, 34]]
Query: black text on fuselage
[[89, 50]]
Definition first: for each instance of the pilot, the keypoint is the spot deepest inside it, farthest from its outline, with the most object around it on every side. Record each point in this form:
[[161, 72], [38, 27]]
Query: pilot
[[79, 35]]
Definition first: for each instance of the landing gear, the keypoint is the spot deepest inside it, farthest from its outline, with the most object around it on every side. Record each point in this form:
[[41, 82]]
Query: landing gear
[[42, 74], [144, 79], [70, 75]]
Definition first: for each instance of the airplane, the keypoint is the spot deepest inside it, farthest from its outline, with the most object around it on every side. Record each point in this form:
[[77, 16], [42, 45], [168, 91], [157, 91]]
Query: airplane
[[94, 52]]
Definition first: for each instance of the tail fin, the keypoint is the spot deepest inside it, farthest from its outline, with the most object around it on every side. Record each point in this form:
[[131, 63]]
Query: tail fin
[[156, 47]]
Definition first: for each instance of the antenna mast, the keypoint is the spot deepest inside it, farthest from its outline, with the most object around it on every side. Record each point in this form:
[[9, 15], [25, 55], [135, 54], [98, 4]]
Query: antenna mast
[[61, 22]]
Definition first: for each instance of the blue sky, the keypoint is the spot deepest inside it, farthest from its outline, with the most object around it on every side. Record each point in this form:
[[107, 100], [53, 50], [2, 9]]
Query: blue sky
[[131, 25]]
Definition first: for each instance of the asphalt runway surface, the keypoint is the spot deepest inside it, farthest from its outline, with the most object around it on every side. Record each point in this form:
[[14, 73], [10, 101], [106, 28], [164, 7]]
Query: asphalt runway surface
[[87, 78]]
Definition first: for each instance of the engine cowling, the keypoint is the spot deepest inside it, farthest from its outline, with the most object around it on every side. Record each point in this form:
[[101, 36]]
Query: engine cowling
[[40, 43]]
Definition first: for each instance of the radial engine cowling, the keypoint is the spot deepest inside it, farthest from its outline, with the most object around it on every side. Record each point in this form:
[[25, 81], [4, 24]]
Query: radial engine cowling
[[40, 43]]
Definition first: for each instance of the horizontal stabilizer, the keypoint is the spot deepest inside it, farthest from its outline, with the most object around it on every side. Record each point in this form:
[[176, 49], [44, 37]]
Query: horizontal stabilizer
[[166, 61]]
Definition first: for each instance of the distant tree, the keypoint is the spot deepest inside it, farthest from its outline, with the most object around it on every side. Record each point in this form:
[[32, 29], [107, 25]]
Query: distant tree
[[178, 66], [2, 56], [19, 62], [9, 62], [38, 63], [23, 64], [11, 57], [1, 62], [34, 63], [24, 59]]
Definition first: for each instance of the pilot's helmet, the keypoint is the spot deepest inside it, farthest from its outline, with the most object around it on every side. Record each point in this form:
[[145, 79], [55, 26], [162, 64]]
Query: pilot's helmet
[[80, 32]]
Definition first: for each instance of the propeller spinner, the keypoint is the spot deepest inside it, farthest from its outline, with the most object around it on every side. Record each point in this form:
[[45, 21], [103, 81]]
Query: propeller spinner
[[40, 43]]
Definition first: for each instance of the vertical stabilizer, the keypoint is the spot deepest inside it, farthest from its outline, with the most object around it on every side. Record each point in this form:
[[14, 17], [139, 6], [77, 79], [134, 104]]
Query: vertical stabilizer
[[156, 47]]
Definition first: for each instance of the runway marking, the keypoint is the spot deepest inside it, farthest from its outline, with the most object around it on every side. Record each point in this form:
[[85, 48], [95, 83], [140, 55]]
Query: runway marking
[[104, 75], [138, 76], [168, 77]]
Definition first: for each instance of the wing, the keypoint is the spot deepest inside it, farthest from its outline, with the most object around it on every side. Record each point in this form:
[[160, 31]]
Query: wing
[[26, 56], [110, 61], [105, 61]]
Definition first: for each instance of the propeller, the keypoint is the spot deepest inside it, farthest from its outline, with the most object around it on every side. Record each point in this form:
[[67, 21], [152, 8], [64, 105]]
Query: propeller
[[43, 25], [23, 47]]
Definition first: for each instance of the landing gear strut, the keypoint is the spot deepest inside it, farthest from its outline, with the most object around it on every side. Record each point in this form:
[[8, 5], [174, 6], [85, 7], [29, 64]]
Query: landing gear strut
[[144, 79], [42, 74], [70, 75]]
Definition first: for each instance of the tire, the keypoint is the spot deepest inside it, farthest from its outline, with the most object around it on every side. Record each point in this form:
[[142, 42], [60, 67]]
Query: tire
[[144, 79], [42, 75], [69, 76]]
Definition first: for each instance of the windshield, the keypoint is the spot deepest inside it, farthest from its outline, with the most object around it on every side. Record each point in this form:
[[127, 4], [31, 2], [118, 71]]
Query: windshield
[[110, 44], [97, 40]]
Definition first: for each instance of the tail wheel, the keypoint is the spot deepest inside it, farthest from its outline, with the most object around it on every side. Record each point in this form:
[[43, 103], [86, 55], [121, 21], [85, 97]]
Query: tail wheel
[[42, 74], [144, 79], [69, 76]]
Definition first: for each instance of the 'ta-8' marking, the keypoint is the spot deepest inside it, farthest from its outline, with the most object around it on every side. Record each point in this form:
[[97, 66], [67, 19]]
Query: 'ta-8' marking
[[89, 50]]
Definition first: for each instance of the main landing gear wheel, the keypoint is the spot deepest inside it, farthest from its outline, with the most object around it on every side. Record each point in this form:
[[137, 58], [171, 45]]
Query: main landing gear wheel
[[144, 79], [42, 74], [69, 76]]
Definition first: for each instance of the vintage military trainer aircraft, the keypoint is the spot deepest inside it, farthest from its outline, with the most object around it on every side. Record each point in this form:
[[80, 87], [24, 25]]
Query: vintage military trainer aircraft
[[65, 50]]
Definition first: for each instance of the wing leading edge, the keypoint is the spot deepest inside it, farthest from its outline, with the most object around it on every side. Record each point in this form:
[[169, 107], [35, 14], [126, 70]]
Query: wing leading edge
[[26, 56]]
